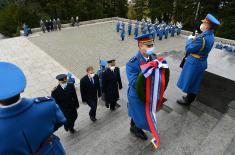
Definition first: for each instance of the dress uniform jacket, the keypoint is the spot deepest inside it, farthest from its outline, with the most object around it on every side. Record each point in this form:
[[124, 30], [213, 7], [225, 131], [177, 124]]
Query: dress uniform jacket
[[67, 101], [26, 125], [136, 108], [111, 83], [193, 70]]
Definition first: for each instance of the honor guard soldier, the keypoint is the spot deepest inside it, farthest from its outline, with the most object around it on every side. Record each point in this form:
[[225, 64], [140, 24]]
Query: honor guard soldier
[[129, 27], [136, 29], [166, 32], [118, 26], [172, 30], [160, 32], [100, 72], [71, 79], [26, 125], [136, 107], [197, 51], [122, 31], [179, 27]]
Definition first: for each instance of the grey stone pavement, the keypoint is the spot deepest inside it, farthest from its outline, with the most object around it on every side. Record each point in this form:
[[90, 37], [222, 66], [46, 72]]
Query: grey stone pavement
[[77, 48], [183, 131]]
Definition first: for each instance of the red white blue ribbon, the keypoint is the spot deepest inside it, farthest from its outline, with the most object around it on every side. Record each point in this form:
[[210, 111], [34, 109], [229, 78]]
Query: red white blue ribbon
[[154, 72]]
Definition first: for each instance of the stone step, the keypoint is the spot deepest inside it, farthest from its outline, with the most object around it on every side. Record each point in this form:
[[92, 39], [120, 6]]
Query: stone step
[[190, 139], [86, 126], [219, 138], [231, 148], [176, 130], [119, 140]]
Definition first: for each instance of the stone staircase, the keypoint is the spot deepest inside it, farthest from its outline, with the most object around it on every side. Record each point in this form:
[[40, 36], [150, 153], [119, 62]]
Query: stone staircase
[[183, 131]]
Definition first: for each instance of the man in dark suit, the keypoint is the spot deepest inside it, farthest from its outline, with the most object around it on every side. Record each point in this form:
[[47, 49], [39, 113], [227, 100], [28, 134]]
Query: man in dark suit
[[90, 91], [111, 82], [66, 97]]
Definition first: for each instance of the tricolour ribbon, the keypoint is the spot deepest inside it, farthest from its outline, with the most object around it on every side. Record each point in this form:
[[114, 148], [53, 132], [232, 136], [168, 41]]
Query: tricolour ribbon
[[154, 72]]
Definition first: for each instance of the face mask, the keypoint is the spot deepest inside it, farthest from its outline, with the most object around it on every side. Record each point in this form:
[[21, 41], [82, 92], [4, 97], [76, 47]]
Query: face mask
[[203, 27], [150, 51], [63, 85], [112, 68], [92, 75]]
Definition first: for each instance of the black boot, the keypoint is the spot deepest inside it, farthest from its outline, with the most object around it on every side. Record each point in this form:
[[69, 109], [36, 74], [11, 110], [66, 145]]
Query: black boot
[[139, 133], [187, 100], [183, 101]]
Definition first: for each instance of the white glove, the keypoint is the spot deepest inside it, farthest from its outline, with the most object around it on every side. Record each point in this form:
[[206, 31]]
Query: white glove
[[191, 37]]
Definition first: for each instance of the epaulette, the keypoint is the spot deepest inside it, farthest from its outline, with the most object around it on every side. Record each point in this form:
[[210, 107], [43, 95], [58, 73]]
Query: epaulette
[[42, 99], [133, 59]]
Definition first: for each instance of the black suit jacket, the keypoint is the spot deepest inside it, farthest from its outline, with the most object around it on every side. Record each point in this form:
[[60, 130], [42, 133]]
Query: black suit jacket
[[89, 91]]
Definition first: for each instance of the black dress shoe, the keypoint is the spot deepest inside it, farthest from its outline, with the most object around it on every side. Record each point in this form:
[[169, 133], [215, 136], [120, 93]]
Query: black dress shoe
[[72, 131], [184, 97], [112, 109], [107, 105], [93, 119], [183, 102], [118, 105], [66, 129]]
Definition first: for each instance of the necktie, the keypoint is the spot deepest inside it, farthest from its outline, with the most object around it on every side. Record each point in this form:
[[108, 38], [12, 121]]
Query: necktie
[[92, 80]]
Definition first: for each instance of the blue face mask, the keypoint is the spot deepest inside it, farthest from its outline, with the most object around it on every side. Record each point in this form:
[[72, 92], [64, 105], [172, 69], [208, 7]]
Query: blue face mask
[[150, 51]]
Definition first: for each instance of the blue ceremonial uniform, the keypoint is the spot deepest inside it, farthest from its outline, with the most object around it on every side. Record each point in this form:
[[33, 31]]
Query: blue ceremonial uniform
[[233, 49], [193, 70], [70, 78], [101, 70], [26, 126], [136, 31], [166, 31], [145, 30], [122, 31], [136, 108], [118, 26], [178, 30], [153, 31], [219, 46], [129, 28], [172, 31], [160, 33], [122, 34]]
